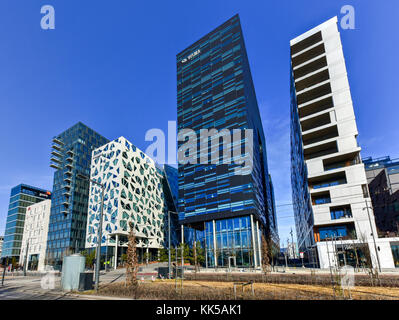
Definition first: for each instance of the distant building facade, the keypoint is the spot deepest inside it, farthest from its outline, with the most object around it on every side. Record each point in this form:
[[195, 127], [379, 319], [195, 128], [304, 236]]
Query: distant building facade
[[34, 240], [383, 180], [70, 155], [22, 196], [134, 194]]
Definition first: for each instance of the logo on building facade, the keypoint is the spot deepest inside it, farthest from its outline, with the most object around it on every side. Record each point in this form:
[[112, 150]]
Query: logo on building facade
[[191, 56]]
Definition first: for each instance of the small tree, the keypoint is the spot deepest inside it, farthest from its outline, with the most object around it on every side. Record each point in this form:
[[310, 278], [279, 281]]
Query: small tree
[[90, 257], [163, 255], [131, 263]]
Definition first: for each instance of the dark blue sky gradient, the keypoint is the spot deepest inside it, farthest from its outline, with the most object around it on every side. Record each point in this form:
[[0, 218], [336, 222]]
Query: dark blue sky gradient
[[111, 65]]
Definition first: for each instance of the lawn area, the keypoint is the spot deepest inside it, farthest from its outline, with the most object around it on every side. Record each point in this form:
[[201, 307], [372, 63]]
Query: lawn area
[[212, 290]]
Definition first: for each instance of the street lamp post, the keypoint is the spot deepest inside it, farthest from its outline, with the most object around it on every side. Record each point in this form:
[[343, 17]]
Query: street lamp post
[[169, 239], [372, 233], [26, 257], [106, 255], [100, 227]]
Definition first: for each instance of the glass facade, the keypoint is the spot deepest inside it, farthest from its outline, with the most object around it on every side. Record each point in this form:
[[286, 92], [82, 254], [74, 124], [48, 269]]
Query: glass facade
[[22, 196], [303, 212], [68, 217], [215, 91], [171, 192], [234, 243]]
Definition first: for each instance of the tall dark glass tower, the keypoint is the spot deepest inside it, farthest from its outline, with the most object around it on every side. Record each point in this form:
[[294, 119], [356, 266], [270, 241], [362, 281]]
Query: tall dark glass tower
[[22, 196], [71, 154], [229, 211]]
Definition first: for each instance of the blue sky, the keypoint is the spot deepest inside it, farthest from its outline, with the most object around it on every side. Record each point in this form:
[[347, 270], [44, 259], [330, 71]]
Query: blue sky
[[111, 65]]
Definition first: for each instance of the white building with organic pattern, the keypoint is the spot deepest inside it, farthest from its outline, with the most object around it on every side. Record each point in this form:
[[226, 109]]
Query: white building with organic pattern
[[133, 194]]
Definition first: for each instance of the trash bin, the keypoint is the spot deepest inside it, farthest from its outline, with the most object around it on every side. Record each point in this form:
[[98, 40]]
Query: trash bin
[[86, 281], [72, 266]]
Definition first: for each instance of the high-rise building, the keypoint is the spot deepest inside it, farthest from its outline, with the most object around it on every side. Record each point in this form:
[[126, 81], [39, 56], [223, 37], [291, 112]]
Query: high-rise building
[[22, 196], [383, 180], [34, 240], [136, 192], [71, 154], [228, 211], [333, 215]]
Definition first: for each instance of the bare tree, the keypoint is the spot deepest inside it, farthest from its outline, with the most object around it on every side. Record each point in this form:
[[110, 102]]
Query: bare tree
[[132, 262], [367, 259]]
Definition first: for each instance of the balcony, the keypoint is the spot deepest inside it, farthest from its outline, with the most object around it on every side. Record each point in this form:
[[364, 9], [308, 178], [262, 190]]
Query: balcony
[[308, 55], [68, 179], [345, 231], [312, 80], [316, 107], [320, 135], [64, 212], [341, 161], [313, 94], [56, 160], [341, 212], [54, 166], [321, 150], [57, 154], [328, 180], [56, 147], [321, 198], [305, 43], [310, 67], [67, 194], [315, 122], [58, 141]]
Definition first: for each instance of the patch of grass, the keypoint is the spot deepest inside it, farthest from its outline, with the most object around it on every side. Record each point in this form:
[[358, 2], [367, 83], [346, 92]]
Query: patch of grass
[[210, 290]]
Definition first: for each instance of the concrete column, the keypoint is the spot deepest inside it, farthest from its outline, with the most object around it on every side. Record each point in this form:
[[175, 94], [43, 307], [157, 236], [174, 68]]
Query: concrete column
[[116, 251], [253, 241], [259, 243], [214, 242]]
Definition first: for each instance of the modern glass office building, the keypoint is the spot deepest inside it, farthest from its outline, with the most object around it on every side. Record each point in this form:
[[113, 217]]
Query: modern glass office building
[[22, 196], [215, 91], [71, 154]]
